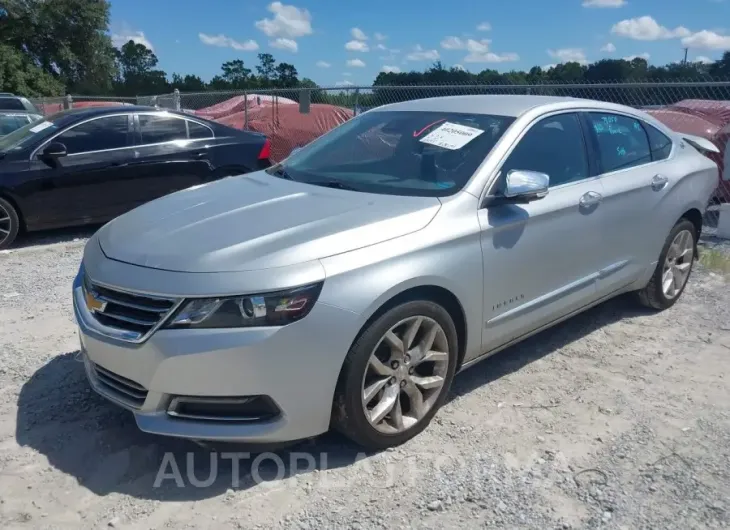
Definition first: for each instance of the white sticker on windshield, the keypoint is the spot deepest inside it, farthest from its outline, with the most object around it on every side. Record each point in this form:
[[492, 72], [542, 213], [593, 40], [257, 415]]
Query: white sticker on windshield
[[41, 126], [451, 136]]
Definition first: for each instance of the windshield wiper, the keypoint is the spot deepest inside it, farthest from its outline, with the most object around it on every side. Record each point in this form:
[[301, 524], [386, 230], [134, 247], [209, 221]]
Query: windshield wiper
[[333, 184], [281, 172]]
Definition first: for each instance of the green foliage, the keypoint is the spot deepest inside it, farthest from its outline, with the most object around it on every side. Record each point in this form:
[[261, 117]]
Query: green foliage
[[20, 76]]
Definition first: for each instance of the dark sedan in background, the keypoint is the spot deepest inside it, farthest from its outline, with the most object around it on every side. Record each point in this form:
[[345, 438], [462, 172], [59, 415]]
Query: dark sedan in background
[[88, 166]]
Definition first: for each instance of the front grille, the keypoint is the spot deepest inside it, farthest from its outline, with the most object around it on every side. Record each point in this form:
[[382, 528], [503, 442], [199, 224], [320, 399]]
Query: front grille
[[119, 388], [129, 312]]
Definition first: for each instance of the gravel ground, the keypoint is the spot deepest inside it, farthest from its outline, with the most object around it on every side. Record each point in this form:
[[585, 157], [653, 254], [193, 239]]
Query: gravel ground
[[616, 419]]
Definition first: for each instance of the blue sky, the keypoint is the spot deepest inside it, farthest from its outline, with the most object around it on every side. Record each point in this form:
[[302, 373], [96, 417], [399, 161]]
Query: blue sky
[[339, 42]]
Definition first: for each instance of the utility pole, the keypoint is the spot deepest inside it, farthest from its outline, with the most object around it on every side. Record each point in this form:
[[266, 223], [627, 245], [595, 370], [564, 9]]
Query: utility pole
[[685, 55]]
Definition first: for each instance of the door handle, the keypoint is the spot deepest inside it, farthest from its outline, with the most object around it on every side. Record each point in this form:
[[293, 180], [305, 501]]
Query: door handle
[[591, 198], [658, 182]]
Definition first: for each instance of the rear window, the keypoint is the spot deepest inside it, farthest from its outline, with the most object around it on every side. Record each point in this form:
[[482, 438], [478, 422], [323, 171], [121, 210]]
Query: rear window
[[400, 152], [11, 104]]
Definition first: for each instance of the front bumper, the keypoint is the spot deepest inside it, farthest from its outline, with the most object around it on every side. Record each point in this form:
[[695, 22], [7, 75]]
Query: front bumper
[[295, 367]]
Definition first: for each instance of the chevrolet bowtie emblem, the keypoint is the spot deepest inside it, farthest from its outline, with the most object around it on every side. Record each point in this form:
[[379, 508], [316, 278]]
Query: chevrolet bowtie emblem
[[93, 304]]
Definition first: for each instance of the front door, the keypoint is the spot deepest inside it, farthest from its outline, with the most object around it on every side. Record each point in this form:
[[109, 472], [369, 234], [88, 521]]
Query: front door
[[85, 185], [541, 260]]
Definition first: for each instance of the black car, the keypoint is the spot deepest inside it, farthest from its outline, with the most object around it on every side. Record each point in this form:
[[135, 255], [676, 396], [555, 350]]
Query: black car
[[88, 166]]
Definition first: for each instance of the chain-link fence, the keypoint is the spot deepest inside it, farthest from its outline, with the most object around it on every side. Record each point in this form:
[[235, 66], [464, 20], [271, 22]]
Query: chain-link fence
[[294, 117]]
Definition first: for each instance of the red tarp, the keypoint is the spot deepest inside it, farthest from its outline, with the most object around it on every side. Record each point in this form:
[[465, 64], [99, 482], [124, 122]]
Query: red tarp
[[708, 119], [286, 127], [239, 103]]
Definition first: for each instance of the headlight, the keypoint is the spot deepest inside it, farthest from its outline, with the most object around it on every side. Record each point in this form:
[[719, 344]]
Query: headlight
[[269, 309]]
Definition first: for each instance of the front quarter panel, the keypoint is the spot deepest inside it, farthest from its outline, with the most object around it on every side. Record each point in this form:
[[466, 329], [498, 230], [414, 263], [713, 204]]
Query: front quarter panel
[[446, 254]]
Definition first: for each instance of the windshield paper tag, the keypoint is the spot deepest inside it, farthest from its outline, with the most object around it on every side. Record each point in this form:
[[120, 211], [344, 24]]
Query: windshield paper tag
[[41, 126], [451, 136]]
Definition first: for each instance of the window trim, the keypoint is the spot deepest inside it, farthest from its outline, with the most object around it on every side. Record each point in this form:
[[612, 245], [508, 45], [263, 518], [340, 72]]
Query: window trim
[[70, 127], [497, 174], [646, 127], [596, 153], [138, 128]]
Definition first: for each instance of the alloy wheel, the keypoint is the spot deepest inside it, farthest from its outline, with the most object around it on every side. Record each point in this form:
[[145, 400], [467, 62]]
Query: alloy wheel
[[5, 225], [677, 264], [405, 374]]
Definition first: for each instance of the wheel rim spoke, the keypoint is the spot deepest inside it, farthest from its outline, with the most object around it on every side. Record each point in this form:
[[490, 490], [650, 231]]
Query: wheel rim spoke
[[678, 264], [405, 374]]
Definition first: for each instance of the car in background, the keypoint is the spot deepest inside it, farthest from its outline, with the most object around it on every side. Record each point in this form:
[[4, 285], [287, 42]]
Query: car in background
[[10, 101], [11, 120], [86, 166], [347, 284]]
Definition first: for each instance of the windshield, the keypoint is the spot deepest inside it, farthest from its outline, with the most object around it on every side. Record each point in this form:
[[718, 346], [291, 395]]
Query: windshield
[[398, 152], [11, 122], [21, 137]]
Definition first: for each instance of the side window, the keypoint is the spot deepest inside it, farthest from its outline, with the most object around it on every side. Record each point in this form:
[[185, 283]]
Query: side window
[[622, 141], [660, 145], [156, 129], [96, 135], [554, 146], [198, 131]]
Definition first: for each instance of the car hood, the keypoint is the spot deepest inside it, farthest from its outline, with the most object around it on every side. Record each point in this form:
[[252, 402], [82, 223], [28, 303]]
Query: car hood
[[258, 221]]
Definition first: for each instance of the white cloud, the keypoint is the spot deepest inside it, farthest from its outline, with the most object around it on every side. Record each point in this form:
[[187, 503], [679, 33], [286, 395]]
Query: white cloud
[[126, 35], [604, 3], [569, 55], [609, 48], [222, 41], [419, 54], [453, 43], [708, 40], [357, 46], [344, 83], [356, 63], [473, 46], [347, 74], [460, 67], [644, 56], [358, 34], [490, 57], [549, 66], [323, 64], [288, 22], [381, 47], [380, 36], [284, 44], [646, 28], [390, 69], [484, 26], [703, 59]]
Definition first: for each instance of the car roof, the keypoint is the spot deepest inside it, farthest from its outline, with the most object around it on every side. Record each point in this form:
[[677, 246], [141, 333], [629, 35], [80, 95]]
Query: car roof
[[65, 117], [500, 105]]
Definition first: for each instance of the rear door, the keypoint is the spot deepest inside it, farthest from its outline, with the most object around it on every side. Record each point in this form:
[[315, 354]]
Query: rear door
[[636, 174], [89, 183], [171, 153]]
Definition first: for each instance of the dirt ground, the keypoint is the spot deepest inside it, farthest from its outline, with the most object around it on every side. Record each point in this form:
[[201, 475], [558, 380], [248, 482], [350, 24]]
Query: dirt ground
[[618, 418]]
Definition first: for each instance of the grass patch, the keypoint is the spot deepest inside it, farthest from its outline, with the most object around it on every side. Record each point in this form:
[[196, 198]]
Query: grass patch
[[715, 260]]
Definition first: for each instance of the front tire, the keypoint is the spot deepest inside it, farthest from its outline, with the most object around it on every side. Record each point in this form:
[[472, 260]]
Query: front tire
[[396, 375], [673, 269], [9, 224]]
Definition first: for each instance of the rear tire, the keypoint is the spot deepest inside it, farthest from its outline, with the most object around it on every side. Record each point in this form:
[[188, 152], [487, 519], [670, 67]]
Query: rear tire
[[673, 268], [396, 375], [9, 224]]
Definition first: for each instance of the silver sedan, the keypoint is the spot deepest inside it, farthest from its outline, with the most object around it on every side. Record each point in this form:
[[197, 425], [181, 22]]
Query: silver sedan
[[347, 285]]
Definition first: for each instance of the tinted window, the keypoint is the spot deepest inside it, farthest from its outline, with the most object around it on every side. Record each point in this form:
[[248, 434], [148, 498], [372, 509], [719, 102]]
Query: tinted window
[[96, 135], [11, 122], [553, 146], [399, 152], [660, 145], [156, 129], [199, 131], [622, 141], [11, 104]]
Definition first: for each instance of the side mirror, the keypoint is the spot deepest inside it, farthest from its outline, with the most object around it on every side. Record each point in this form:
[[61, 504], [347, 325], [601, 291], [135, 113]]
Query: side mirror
[[526, 186], [54, 150]]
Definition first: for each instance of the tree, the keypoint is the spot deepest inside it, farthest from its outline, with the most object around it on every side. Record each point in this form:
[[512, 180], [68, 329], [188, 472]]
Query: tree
[[20, 76], [721, 68], [189, 83], [137, 76], [236, 74], [266, 68], [66, 39], [286, 76]]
